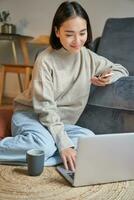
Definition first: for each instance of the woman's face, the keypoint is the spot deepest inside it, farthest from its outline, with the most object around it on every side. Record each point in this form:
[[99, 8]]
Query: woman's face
[[73, 34]]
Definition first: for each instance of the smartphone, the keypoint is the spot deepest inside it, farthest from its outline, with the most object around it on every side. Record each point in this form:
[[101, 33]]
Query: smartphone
[[106, 75]]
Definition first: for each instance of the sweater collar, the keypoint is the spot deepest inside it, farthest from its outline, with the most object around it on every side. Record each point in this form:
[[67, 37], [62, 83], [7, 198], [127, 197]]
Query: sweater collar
[[65, 52]]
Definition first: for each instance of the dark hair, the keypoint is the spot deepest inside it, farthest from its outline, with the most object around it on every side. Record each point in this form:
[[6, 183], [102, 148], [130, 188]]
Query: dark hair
[[65, 11]]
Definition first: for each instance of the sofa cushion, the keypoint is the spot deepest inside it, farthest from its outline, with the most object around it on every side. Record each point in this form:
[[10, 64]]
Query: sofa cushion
[[106, 120], [119, 95], [116, 42], [5, 122]]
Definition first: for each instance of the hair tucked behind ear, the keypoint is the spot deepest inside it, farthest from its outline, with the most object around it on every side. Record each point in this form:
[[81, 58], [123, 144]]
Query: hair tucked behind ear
[[65, 11]]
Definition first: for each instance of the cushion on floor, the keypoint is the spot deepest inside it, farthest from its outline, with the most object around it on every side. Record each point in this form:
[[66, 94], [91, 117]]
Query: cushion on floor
[[5, 122]]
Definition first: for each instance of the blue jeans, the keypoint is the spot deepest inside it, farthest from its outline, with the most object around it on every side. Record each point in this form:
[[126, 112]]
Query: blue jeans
[[29, 133]]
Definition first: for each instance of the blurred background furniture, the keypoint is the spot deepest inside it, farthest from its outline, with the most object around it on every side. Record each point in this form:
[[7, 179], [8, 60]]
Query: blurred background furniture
[[17, 55], [41, 39], [110, 109], [17, 69], [14, 67]]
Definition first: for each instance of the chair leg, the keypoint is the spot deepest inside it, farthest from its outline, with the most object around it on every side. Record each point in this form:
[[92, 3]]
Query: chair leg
[[2, 80], [27, 77], [20, 82]]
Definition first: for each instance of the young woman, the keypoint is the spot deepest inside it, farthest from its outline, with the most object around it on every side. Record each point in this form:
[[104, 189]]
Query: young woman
[[46, 113]]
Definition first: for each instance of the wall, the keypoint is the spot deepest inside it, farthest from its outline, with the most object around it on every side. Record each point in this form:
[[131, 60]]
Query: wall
[[34, 17]]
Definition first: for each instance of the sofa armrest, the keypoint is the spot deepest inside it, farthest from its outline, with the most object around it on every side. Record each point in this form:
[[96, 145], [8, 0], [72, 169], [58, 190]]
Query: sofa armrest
[[119, 95]]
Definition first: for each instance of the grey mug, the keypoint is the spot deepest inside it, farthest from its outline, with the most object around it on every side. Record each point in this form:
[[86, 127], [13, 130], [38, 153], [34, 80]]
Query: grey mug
[[35, 161]]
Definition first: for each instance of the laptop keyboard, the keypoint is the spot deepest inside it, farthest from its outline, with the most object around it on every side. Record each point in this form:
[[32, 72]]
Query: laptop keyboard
[[71, 174]]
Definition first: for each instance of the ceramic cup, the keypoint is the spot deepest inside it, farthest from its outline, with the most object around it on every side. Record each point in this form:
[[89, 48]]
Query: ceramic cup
[[35, 161]]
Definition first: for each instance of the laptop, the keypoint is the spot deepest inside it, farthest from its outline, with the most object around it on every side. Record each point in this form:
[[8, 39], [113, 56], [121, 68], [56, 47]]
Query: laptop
[[102, 159]]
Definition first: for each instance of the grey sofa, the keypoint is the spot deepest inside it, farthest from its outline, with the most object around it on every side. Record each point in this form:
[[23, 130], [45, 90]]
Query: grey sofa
[[110, 109]]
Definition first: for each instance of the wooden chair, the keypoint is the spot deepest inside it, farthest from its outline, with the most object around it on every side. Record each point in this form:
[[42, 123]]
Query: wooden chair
[[16, 41], [17, 68]]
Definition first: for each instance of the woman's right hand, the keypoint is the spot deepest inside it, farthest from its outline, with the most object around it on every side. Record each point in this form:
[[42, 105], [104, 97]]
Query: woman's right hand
[[69, 158], [103, 79]]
